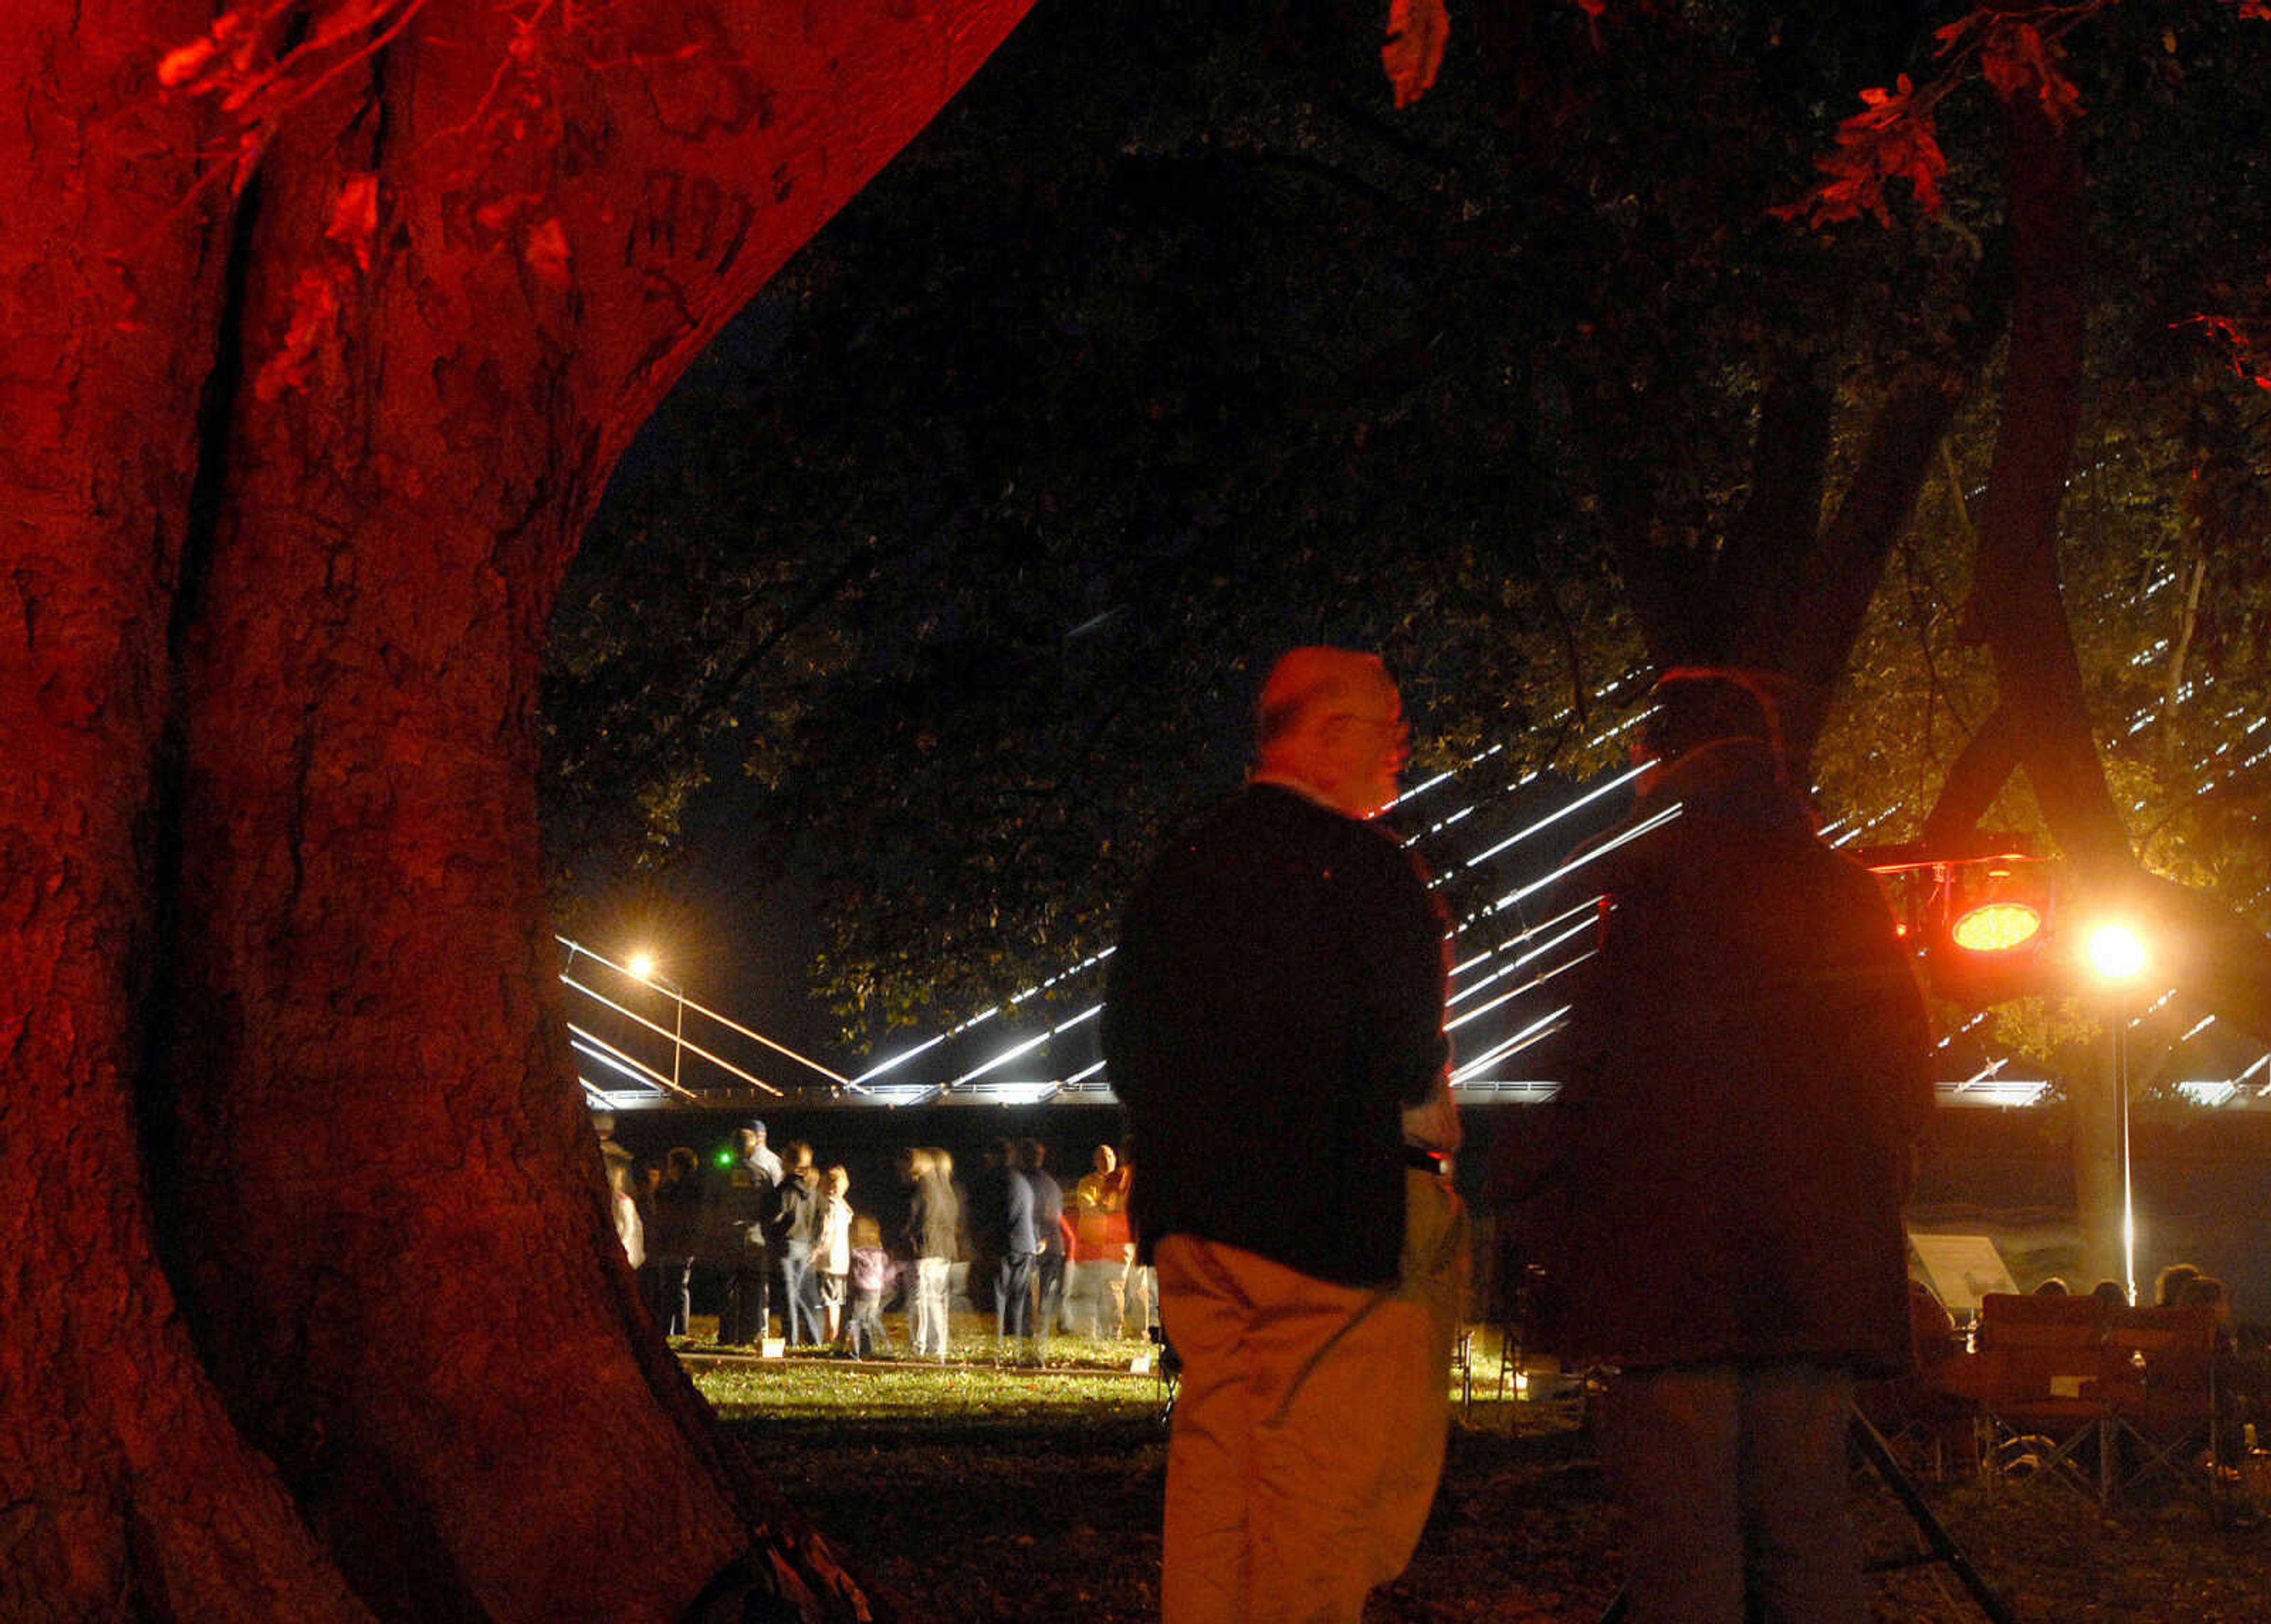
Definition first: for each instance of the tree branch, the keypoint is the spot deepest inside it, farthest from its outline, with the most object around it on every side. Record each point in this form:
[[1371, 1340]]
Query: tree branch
[[1819, 629], [2015, 606], [1978, 775]]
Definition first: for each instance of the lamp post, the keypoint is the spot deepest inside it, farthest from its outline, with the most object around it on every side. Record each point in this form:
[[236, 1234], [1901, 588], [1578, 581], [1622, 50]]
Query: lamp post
[[643, 967], [2117, 957]]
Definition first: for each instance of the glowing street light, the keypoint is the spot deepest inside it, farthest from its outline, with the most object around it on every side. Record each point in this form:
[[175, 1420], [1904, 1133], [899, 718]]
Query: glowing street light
[[2116, 953], [642, 964], [1997, 927]]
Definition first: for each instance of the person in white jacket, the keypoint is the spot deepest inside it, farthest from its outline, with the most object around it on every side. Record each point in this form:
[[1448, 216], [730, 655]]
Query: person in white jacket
[[833, 1254]]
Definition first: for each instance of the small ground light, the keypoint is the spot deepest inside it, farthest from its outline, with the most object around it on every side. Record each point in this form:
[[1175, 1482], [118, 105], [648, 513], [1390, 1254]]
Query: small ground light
[[2116, 953]]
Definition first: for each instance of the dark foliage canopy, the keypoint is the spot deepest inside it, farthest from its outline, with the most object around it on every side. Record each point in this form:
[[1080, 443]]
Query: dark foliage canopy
[[1172, 345]]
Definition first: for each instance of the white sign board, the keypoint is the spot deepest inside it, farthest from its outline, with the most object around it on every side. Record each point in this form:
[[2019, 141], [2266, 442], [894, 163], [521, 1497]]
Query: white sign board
[[1962, 1269]]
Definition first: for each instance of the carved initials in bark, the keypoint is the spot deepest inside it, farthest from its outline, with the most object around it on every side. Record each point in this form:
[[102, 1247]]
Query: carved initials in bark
[[692, 218]]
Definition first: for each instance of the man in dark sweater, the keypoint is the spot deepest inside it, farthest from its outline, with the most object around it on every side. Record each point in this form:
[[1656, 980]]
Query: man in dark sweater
[[741, 1215], [1273, 1024]]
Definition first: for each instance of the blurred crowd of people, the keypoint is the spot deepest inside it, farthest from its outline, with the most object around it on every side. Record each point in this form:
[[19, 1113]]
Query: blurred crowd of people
[[760, 1232]]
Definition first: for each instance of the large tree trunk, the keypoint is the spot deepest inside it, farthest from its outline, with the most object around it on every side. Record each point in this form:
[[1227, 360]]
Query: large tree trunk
[[1808, 635], [408, 1371], [123, 1484], [2043, 723]]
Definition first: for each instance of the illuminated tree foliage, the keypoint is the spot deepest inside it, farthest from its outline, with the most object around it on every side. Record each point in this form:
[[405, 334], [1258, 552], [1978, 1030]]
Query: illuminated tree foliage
[[328, 320], [982, 547], [2106, 356], [1624, 343]]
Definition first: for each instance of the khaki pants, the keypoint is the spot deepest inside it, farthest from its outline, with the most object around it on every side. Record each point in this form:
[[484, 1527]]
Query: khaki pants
[[1310, 1422]]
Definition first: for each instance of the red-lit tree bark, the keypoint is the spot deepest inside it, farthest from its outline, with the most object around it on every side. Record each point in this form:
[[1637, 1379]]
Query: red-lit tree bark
[[2041, 724], [313, 1309]]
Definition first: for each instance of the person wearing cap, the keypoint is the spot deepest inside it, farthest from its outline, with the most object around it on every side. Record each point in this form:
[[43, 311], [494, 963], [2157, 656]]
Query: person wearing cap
[[746, 1197], [1274, 1010], [756, 1156], [1745, 1080]]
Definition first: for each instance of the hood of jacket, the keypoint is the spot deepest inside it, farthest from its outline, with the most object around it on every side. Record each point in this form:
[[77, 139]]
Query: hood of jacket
[[1732, 780]]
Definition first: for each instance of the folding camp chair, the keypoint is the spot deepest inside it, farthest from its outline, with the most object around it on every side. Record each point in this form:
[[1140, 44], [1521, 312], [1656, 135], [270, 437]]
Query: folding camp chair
[[2162, 1410], [1927, 1421], [2038, 1362]]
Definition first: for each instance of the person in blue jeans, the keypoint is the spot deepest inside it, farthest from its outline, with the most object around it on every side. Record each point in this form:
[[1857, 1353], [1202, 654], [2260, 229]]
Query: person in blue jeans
[[799, 1218], [1012, 1309]]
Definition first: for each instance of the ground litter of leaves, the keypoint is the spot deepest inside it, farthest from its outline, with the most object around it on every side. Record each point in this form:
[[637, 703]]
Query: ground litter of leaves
[[969, 1493]]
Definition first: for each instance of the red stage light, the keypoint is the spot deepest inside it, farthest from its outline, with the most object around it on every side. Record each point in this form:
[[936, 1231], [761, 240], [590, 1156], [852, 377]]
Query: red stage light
[[1996, 927]]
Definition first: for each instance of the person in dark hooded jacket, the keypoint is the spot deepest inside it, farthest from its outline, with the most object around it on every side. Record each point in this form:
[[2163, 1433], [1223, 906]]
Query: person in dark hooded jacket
[[1747, 1080], [675, 1241]]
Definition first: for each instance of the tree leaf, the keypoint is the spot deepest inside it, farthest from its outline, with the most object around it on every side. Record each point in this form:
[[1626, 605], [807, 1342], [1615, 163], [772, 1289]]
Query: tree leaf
[[1417, 31]]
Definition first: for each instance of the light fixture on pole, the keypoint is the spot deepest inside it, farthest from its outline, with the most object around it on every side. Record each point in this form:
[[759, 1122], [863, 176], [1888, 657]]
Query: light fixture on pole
[[1980, 913], [2117, 956], [643, 967], [1988, 921], [2116, 953]]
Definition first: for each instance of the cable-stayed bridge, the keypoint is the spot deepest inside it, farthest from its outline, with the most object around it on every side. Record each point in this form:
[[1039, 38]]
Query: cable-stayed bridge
[[1498, 842], [643, 1041]]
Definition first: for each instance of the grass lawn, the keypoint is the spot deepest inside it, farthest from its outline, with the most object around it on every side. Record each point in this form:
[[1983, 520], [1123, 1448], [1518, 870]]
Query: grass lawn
[[842, 1393], [973, 1493], [1081, 1377]]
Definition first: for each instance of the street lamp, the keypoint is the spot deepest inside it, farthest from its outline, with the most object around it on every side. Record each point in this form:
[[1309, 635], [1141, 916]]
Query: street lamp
[[2116, 955], [643, 967]]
